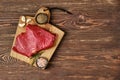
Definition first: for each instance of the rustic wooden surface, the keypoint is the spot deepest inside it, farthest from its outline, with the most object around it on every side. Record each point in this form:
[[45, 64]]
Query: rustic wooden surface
[[89, 51]]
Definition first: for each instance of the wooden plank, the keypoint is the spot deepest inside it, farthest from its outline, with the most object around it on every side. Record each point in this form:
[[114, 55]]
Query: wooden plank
[[86, 53]]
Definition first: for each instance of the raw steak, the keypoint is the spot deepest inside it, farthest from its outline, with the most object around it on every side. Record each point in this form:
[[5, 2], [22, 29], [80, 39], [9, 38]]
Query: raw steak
[[33, 40]]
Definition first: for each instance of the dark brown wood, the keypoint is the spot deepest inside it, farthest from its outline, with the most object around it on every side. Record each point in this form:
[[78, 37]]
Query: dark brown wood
[[89, 51]]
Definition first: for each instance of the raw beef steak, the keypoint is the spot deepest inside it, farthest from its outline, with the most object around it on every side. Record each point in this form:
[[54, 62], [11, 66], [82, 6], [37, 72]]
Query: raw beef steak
[[33, 40]]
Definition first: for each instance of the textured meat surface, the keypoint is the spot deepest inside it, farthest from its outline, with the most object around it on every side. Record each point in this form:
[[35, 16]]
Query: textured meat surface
[[33, 40]]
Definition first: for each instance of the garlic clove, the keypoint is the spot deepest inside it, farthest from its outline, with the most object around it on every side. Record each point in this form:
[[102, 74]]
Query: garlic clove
[[23, 19], [28, 20], [21, 24]]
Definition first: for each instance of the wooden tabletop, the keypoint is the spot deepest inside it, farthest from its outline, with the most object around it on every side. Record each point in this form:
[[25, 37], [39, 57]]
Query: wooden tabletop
[[90, 49]]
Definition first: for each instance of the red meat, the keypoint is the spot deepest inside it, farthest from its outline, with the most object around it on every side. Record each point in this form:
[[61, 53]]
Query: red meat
[[33, 40]]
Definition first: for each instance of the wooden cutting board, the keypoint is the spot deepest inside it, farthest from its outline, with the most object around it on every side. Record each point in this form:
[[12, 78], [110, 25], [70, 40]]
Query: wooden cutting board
[[46, 53]]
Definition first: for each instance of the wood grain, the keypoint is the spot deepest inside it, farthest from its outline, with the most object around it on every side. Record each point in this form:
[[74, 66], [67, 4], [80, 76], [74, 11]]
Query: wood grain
[[89, 50]]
